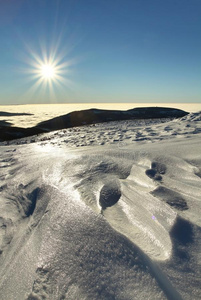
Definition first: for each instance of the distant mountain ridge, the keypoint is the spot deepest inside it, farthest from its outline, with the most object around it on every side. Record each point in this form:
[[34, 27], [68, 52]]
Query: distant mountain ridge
[[93, 116], [87, 117]]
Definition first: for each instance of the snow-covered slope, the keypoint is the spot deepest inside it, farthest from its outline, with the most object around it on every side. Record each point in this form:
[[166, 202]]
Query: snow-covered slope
[[106, 211]]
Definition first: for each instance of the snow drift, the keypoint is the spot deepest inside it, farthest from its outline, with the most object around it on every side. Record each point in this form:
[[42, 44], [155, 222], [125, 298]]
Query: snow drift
[[106, 211]]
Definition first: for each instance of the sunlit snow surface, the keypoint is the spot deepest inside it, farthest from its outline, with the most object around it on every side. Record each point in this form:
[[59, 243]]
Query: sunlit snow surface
[[110, 211]]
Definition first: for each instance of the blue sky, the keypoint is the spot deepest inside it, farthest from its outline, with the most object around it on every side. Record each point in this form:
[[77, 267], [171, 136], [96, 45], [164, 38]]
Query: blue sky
[[114, 51]]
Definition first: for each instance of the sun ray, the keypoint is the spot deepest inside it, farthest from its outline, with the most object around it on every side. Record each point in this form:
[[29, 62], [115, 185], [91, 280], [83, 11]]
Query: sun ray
[[48, 71]]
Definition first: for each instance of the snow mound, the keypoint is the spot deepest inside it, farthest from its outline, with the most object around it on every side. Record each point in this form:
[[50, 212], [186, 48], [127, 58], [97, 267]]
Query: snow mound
[[192, 117], [110, 211]]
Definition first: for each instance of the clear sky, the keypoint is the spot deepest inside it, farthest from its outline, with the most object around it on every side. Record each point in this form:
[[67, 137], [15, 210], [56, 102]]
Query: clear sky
[[100, 51]]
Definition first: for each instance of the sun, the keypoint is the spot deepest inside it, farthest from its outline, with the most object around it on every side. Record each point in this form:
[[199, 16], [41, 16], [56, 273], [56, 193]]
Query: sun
[[48, 71]]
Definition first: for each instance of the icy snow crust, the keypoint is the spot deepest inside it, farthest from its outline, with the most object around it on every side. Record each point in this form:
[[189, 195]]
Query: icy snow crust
[[110, 211]]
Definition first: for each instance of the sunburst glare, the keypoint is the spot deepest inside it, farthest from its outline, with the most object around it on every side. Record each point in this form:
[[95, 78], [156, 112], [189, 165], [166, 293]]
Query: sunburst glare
[[48, 71]]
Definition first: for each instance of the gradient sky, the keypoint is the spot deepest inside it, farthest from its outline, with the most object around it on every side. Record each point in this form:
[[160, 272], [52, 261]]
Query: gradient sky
[[115, 50]]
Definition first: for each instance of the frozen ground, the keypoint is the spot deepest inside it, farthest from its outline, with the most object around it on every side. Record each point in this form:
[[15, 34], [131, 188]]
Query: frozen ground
[[109, 211]]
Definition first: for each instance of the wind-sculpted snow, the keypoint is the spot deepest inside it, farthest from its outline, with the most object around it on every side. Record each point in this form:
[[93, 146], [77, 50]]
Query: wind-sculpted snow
[[119, 221]]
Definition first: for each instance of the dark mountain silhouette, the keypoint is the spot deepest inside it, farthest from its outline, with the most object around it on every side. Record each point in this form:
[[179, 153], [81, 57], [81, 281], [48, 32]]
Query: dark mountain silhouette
[[9, 114], [90, 116], [5, 123], [8, 133], [93, 116]]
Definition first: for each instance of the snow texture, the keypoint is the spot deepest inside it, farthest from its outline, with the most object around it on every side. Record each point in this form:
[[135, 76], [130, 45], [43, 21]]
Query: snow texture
[[105, 211]]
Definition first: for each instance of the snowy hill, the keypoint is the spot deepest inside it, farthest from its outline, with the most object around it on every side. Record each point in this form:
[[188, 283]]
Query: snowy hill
[[86, 117], [104, 211]]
